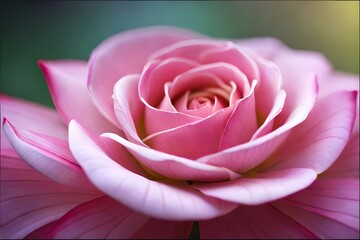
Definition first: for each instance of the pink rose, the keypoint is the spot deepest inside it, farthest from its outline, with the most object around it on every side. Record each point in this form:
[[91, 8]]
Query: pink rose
[[164, 127]]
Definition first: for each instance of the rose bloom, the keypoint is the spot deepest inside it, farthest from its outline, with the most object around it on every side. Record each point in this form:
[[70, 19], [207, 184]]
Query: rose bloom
[[164, 127]]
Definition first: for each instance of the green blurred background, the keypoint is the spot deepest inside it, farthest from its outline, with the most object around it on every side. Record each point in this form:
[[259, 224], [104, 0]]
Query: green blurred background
[[33, 30]]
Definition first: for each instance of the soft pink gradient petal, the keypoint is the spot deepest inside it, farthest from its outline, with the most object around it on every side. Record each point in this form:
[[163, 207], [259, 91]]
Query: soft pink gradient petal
[[48, 155], [165, 119], [192, 140], [320, 139], [156, 74], [128, 107], [267, 47], [30, 200], [105, 218], [246, 156], [337, 81], [269, 86], [347, 164], [102, 218], [298, 69], [192, 49], [225, 72], [172, 166], [255, 68], [233, 55], [44, 120], [336, 199], [242, 123], [261, 187], [66, 80], [123, 54], [255, 222], [171, 201], [267, 125]]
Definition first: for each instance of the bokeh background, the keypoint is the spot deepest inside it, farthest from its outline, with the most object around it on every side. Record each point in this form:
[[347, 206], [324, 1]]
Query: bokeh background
[[33, 30]]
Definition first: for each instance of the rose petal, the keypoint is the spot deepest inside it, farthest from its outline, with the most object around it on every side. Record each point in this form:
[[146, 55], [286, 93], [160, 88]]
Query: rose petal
[[160, 229], [31, 200], [125, 54], [260, 188], [101, 218], [128, 107], [248, 222], [48, 155], [192, 140], [320, 139], [174, 167], [190, 49], [41, 232], [246, 156], [325, 212], [337, 81], [242, 123], [156, 74], [44, 120], [172, 201], [347, 164], [267, 47], [267, 125], [336, 199], [104, 218], [235, 56], [67, 84]]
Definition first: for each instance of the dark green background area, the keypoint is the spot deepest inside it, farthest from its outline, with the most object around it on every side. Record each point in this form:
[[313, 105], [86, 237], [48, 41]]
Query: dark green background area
[[33, 30]]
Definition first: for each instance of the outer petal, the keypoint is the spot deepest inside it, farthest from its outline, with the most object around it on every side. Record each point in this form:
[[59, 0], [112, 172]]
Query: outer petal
[[44, 120], [123, 54], [105, 218], [259, 222], [260, 188], [172, 201], [67, 83], [330, 206], [266, 47], [30, 200], [337, 81], [347, 164], [320, 139], [48, 155], [174, 167]]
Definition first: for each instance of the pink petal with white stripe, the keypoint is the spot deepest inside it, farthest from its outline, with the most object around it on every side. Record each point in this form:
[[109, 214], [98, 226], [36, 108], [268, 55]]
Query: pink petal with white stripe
[[30, 200], [66, 80], [48, 155], [163, 200], [125, 54], [43, 120], [260, 188]]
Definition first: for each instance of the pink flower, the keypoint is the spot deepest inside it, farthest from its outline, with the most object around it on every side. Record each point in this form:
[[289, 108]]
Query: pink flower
[[164, 127]]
